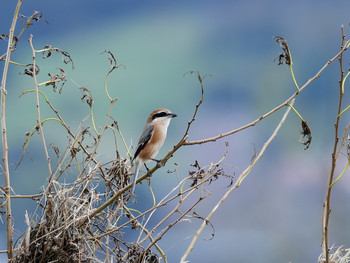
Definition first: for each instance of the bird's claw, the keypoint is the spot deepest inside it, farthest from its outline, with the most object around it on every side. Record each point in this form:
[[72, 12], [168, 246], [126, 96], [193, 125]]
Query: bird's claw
[[159, 163]]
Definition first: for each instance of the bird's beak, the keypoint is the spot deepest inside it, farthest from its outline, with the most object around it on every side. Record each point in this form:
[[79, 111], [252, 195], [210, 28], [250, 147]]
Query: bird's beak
[[173, 115]]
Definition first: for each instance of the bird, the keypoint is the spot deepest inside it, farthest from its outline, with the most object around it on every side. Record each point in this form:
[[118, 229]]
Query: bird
[[151, 139]]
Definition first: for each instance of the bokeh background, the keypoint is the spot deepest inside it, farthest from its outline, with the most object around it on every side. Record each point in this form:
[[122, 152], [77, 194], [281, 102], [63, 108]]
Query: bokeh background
[[275, 216]]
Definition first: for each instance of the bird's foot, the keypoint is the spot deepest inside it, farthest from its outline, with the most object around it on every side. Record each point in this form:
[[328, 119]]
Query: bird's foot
[[159, 163]]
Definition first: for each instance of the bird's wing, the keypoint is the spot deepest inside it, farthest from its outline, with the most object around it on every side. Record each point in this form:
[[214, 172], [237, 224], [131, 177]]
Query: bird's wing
[[144, 138]]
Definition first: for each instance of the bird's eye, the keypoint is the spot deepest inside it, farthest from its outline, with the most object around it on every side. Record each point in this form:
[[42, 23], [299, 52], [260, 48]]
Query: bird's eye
[[160, 114]]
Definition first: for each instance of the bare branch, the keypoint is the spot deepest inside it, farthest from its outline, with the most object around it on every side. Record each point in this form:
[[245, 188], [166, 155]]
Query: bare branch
[[48, 159], [326, 204], [9, 230]]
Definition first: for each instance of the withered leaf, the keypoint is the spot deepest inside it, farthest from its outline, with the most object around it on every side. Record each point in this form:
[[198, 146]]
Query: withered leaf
[[30, 70], [35, 17], [57, 78], [305, 133], [112, 61], [67, 58], [285, 57], [87, 97]]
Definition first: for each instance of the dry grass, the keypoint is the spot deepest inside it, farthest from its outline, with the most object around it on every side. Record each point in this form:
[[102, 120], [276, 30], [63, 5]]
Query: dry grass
[[340, 255], [60, 230]]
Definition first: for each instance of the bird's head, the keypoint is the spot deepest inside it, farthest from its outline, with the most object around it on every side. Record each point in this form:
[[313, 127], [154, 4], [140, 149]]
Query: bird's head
[[161, 116]]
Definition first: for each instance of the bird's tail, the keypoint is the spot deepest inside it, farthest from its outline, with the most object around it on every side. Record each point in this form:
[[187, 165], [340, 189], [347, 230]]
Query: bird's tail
[[137, 169]]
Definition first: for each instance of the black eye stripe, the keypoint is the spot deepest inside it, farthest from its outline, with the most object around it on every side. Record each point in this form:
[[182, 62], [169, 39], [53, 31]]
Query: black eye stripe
[[159, 115]]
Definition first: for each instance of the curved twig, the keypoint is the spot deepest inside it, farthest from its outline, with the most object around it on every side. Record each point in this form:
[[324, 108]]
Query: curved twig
[[48, 159]]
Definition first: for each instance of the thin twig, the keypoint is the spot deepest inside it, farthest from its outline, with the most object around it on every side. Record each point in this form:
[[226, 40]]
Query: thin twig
[[167, 228], [38, 108], [160, 204], [326, 204], [76, 140], [200, 79], [34, 196], [5, 160], [91, 156], [144, 229], [174, 210]]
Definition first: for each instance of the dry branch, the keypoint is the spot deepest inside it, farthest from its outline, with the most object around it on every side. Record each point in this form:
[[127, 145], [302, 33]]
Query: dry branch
[[5, 160], [34, 73], [326, 204]]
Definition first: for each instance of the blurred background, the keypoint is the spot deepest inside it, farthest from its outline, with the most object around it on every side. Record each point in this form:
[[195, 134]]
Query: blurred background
[[275, 216]]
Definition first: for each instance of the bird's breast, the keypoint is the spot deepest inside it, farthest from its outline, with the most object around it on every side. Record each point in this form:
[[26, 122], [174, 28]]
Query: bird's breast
[[154, 144]]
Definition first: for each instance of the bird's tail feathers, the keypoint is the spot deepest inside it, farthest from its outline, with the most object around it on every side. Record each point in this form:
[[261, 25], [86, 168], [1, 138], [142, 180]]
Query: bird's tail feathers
[[137, 169]]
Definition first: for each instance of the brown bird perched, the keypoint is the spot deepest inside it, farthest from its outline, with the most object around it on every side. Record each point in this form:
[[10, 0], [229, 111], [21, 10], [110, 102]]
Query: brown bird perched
[[151, 139]]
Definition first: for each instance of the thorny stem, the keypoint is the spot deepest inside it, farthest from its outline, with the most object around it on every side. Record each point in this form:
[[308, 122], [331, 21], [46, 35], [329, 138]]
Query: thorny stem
[[5, 160], [327, 205]]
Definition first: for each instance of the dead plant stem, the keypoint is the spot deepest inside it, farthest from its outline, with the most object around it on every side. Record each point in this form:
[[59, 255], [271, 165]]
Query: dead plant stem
[[99, 137], [152, 208], [144, 229], [38, 108], [168, 227], [327, 202], [5, 149]]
